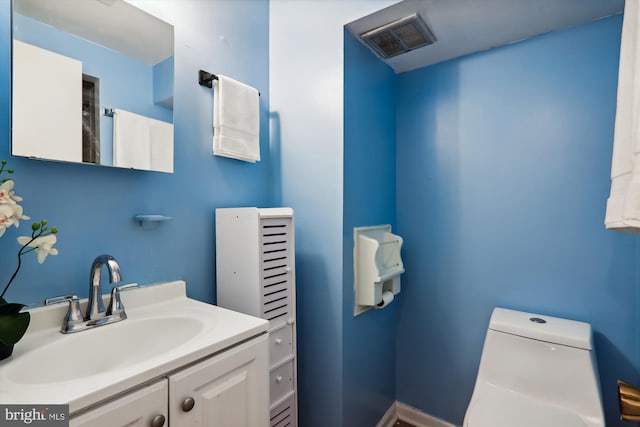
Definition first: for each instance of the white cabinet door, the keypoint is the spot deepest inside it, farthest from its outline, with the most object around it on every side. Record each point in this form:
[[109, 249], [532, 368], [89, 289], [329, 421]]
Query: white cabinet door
[[228, 390], [145, 407], [47, 104]]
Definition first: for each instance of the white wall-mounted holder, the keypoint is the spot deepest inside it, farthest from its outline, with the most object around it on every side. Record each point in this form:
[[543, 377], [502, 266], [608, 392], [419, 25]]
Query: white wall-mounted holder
[[377, 266]]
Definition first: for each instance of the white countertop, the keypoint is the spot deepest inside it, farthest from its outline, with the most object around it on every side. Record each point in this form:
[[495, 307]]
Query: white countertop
[[218, 329]]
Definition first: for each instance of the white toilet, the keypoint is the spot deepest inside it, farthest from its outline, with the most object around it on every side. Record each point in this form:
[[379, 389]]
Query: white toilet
[[536, 371]]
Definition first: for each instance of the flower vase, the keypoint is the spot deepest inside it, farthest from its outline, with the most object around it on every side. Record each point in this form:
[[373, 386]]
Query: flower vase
[[5, 351], [13, 325]]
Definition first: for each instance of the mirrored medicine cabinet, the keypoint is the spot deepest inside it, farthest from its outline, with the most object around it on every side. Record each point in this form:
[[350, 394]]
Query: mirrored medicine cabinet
[[92, 82]]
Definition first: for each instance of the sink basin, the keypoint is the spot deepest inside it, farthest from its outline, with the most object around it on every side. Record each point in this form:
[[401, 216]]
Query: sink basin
[[102, 349], [165, 330]]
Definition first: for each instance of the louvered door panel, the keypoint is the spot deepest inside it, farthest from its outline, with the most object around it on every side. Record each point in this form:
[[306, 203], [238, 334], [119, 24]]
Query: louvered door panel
[[276, 268], [284, 415]]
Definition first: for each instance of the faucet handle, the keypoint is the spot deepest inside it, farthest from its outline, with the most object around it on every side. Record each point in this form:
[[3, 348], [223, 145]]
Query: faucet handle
[[74, 314], [115, 306]]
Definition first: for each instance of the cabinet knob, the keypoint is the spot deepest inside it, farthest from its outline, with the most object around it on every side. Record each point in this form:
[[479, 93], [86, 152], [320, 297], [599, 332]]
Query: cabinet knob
[[188, 404], [278, 341], [279, 379], [158, 421]]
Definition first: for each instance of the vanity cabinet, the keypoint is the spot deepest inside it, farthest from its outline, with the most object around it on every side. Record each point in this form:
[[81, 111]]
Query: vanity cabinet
[[229, 389], [145, 407]]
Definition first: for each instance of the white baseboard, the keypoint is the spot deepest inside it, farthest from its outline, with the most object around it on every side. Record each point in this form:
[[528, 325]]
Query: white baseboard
[[411, 415], [390, 417], [418, 418]]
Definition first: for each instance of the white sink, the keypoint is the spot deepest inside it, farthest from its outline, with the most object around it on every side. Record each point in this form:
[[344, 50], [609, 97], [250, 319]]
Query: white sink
[[164, 331], [102, 349]]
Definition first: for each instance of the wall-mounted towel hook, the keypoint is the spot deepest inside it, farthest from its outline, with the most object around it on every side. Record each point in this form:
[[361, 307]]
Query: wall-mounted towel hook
[[206, 79]]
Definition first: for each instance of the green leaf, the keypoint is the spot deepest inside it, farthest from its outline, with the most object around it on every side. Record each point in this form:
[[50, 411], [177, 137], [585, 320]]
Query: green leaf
[[13, 326], [10, 308]]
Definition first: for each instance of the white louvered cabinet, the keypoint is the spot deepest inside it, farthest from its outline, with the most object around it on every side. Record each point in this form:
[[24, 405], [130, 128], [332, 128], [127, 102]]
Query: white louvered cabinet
[[255, 274]]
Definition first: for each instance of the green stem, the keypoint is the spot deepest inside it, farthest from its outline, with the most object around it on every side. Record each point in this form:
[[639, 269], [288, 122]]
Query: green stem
[[34, 235], [15, 273], [38, 229]]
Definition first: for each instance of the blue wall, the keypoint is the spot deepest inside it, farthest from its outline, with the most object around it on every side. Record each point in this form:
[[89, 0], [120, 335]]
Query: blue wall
[[503, 175], [93, 207], [369, 199]]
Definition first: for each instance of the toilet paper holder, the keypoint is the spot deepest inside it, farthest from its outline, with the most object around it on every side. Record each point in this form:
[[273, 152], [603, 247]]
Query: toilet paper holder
[[377, 266]]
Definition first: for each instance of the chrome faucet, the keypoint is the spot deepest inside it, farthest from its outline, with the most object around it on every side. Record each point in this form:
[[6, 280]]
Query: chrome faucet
[[96, 315], [95, 309]]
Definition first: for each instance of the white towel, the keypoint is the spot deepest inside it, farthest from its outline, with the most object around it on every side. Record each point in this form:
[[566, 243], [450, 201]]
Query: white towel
[[161, 134], [623, 205], [140, 142], [131, 140], [236, 120]]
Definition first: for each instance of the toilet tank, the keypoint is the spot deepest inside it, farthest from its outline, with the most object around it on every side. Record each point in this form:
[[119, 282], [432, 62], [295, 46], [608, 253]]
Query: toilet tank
[[544, 358]]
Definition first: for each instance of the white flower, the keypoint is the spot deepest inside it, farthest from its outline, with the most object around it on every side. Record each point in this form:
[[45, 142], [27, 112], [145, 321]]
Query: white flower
[[6, 195], [10, 211], [7, 218], [17, 214], [43, 245]]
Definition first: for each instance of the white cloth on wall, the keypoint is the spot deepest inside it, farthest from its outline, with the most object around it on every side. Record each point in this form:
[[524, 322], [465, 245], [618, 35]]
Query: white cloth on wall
[[623, 205], [236, 120], [161, 134], [131, 141], [140, 142]]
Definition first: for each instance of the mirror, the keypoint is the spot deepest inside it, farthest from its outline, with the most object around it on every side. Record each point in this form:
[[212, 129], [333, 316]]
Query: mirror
[[92, 82]]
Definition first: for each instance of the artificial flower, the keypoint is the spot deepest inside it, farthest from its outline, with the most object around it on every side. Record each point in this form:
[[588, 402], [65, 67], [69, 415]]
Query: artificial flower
[[7, 218], [13, 321], [42, 237], [43, 245], [6, 195]]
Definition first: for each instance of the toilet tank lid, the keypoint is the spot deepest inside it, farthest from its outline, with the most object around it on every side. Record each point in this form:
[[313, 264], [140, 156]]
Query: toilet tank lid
[[544, 328]]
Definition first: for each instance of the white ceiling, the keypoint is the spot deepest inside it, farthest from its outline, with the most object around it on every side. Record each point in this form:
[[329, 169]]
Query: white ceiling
[[114, 24], [462, 27]]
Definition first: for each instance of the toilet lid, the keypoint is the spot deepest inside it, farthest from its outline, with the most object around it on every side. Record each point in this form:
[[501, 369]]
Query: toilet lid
[[497, 407]]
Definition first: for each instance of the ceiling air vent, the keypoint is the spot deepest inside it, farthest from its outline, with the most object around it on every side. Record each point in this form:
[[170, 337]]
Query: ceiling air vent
[[400, 36]]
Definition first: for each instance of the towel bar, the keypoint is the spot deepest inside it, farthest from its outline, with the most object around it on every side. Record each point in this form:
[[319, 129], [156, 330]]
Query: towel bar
[[206, 79]]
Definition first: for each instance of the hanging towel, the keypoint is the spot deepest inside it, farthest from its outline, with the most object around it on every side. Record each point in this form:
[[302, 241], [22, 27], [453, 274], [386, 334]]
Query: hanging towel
[[623, 205], [161, 134], [131, 140], [140, 142], [236, 120]]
